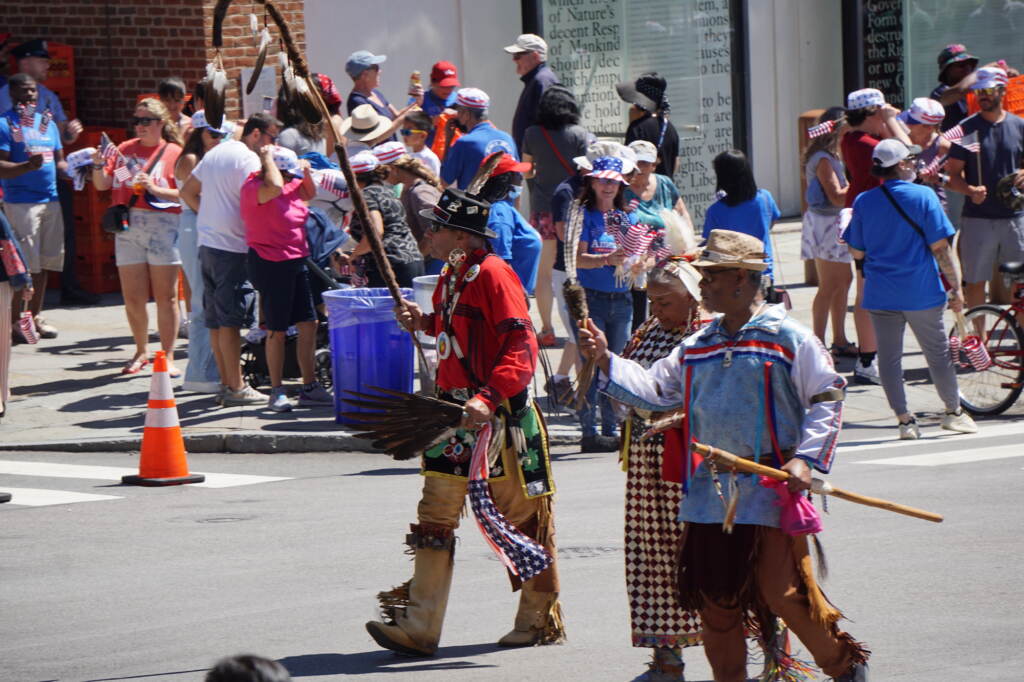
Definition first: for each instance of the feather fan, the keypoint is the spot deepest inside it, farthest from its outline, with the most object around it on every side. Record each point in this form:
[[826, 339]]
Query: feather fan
[[404, 424], [216, 86], [260, 59], [575, 296], [482, 173], [304, 100], [679, 237]]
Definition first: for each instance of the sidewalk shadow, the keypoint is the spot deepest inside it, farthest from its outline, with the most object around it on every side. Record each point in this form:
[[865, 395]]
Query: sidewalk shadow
[[381, 661], [387, 471], [114, 344]]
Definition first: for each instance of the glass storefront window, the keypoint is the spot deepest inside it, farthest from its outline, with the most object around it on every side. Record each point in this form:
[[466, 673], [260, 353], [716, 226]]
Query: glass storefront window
[[594, 44], [990, 29]]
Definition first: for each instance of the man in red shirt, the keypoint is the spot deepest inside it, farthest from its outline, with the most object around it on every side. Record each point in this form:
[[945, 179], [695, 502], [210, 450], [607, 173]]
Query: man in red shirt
[[487, 354]]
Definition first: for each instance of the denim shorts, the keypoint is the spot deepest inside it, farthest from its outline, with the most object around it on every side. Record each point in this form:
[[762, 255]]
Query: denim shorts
[[152, 237], [285, 297], [228, 299]]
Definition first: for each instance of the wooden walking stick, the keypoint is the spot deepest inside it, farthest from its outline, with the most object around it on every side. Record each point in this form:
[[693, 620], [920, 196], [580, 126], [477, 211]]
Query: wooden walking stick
[[314, 109], [818, 486]]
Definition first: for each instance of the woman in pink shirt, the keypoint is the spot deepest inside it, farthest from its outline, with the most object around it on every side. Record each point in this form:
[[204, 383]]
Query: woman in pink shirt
[[273, 204]]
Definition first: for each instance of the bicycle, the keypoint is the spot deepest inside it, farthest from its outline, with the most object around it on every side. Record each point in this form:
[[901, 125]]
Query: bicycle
[[993, 390]]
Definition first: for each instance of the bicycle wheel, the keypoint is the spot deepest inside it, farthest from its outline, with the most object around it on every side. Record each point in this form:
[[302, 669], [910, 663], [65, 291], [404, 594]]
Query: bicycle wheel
[[992, 390]]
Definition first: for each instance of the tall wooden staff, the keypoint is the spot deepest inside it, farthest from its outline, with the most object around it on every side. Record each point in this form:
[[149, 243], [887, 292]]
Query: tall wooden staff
[[310, 91]]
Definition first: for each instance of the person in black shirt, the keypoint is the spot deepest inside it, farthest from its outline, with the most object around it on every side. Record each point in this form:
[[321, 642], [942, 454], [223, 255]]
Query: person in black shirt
[[530, 54], [648, 119]]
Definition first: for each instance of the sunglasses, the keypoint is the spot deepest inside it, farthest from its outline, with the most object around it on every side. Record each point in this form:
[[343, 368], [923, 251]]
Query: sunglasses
[[518, 55], [144, 121], [987, 92], [411, 131], [214, 134]]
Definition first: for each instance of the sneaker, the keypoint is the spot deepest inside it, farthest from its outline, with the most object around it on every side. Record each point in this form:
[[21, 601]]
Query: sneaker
[[219, 396], [246, 396], [46, 331], [278, 401], [599, 443], [315, 395], [910, 430], [959, 421], [867, 375]]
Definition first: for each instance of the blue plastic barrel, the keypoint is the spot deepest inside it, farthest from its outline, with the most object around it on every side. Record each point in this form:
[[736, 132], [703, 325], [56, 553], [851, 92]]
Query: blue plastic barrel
[[368, 348]]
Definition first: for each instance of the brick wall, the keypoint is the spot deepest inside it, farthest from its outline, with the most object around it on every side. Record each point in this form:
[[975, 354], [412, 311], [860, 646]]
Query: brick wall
[[124, 48]]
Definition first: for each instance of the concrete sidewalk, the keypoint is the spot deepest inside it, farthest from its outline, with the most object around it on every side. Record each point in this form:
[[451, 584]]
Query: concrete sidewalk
[[69, 395]]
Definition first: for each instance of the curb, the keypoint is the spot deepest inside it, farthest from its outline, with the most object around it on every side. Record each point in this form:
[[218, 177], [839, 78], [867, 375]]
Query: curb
[[239, 442]]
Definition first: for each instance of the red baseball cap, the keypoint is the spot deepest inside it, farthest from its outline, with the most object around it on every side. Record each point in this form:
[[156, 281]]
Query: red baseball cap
[[444, 74], [508, 164]]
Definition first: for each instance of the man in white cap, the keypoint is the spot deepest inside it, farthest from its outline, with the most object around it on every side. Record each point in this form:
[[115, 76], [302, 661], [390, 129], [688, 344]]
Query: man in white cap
[[482, 138], [992, 148], [901, 232], [530, 54]]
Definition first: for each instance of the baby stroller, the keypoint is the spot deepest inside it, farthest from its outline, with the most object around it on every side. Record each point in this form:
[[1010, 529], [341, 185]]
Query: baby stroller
[[323, 238]]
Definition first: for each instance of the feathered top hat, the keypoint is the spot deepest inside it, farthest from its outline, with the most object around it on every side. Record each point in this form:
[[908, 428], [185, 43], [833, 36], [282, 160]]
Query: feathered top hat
[[461, 211]]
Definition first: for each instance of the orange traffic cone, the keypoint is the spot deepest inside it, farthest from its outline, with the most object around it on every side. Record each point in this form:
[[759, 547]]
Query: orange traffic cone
[[163, 460]]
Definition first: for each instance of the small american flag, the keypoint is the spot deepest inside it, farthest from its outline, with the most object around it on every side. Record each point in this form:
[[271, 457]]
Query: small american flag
[[520, 553], [821, 129], [954, 134], [107, 148], [933, 165], [970, 142], [637, 239], [122, 173], [45, 122], [332, 181], [27, 114]]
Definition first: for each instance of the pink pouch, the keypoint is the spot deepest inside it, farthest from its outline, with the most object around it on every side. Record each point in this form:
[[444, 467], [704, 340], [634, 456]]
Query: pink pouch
[[797, 516], [28, 327]]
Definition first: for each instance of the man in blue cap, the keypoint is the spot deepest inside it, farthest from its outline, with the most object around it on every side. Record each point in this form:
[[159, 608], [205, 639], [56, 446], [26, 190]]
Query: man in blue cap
[[363, 67], [34, 59], [481, 139]]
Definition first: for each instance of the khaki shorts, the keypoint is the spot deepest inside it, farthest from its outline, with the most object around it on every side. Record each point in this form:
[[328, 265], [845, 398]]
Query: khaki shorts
[[984, 242], [40, 231]]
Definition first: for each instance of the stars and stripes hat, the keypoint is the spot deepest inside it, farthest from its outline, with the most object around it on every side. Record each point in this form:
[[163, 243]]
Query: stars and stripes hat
[[606, 148], [389, 152], [888, 153], [472, 98], [363, 162], [989, 77], [951, 54], [199, 121], [864, 98], [287, 161], [607, 167], [923, 111]]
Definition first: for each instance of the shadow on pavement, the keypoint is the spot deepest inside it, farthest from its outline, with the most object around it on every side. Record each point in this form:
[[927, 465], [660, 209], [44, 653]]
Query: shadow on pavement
[[380, 661], [391, 471], [142, 677]]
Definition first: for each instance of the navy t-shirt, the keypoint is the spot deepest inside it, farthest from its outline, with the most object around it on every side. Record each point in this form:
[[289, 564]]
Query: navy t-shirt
[[357, 98], [900, 272], [1002, 149], [562, 198], [955, 112]]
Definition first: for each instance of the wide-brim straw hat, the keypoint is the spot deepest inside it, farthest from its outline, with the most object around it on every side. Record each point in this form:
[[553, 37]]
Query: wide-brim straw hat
[[365, 124], [729, 249]]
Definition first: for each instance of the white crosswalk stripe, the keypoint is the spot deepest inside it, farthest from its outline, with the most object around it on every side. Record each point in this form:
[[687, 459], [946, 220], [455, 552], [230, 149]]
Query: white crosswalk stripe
[[963, 456], [38, 497]]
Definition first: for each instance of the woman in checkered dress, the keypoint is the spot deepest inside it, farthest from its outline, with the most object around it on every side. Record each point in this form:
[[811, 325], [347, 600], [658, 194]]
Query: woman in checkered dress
[[652, 533]]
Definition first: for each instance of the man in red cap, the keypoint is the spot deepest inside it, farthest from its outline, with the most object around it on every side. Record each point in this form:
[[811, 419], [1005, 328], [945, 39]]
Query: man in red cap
[[440, 98]]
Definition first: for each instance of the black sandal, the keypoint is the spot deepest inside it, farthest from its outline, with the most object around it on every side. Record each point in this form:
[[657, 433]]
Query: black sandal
[[847, 350]]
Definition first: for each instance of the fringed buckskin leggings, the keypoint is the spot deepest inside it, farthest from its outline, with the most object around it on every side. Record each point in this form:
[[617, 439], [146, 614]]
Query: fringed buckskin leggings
[[779, 587], [443, 499]]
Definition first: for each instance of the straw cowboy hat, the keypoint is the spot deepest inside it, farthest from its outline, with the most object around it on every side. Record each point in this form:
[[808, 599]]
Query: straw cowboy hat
[[728, 249], [364, 124]]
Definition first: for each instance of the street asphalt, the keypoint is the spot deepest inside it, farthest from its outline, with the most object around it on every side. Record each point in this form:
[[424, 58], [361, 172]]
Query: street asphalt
[[282, 554]]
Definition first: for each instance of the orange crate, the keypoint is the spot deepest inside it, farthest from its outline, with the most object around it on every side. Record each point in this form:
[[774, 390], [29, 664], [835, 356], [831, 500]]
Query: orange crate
[[98, 274]]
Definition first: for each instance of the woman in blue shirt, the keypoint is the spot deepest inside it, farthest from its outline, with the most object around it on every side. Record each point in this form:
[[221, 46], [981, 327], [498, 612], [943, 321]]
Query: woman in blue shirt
[[602, 201], [744, 208]]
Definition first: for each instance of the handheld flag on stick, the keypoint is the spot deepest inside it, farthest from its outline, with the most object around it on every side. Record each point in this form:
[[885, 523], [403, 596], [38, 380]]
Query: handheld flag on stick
[[821, 129], [955, 133]]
